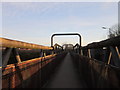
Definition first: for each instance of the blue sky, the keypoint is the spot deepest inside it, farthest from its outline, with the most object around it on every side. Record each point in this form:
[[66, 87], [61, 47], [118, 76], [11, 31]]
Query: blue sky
[[35, 22]]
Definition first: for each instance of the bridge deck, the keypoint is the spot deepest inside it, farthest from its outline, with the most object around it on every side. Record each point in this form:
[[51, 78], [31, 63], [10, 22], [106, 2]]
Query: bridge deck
[[66, 76]]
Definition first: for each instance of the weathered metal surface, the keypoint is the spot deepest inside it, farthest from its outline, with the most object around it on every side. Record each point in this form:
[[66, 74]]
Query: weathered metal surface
[[97, 74], [106, 51], [14, 74], [16, 54], [6, 56], [18, 44], [31, 73]]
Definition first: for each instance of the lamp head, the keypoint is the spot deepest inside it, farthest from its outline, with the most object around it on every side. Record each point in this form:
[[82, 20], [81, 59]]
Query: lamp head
[[104, 27]]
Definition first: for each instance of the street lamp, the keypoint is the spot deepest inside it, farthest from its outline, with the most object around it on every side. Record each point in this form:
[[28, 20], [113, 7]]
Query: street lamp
[[110, 32], [107, 28]]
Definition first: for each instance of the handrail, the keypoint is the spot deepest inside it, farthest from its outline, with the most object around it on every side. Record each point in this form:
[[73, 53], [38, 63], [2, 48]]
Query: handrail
[[18, 44], [106, 51], [109, 42]]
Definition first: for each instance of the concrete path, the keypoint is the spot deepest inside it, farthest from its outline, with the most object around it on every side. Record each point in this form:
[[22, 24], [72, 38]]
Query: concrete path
[[66, 76]]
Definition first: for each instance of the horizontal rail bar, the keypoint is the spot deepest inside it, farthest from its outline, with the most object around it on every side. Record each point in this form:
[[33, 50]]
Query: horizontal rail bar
[[18, 44], [58, 45], [32, 61], [105, 43], [18, 73], [62, 34]]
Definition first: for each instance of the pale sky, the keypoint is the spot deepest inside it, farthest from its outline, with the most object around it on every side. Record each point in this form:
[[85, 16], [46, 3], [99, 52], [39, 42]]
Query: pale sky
[[35, 22]]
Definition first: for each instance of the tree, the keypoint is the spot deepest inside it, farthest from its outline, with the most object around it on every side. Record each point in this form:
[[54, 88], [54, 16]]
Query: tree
[[114, 31]]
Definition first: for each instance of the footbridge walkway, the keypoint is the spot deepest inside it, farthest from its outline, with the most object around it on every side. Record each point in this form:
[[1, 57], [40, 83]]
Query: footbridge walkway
[[27, 65]]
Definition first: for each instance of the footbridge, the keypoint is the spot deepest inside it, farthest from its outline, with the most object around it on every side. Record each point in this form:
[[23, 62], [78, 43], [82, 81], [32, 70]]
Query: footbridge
[[27, 65]]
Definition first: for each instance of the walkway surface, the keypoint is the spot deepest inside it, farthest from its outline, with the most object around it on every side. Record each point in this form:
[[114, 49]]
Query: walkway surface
[[66, 76]]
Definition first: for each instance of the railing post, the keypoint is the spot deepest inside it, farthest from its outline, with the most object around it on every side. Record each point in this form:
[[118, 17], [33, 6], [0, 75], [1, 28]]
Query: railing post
[[89, 54], [117, 51], [6, 56], [81, 52], [44, 54], [115, 55], [17, 56], [109, 59]]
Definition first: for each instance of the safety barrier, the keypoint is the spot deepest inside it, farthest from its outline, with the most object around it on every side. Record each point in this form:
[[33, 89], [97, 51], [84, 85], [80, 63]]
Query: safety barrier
[[15, 74], [18, 44], [26, 73], [96, 73], [100, 72], [107, 51]]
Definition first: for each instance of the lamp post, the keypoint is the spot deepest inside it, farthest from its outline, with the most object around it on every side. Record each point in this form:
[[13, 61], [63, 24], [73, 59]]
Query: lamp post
[[110, 32]]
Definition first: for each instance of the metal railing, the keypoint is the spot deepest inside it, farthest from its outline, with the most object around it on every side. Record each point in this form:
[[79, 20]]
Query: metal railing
[[19, 73], [64, 34], [13, 46], [107, 51], [18, 44], [99, 63]]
